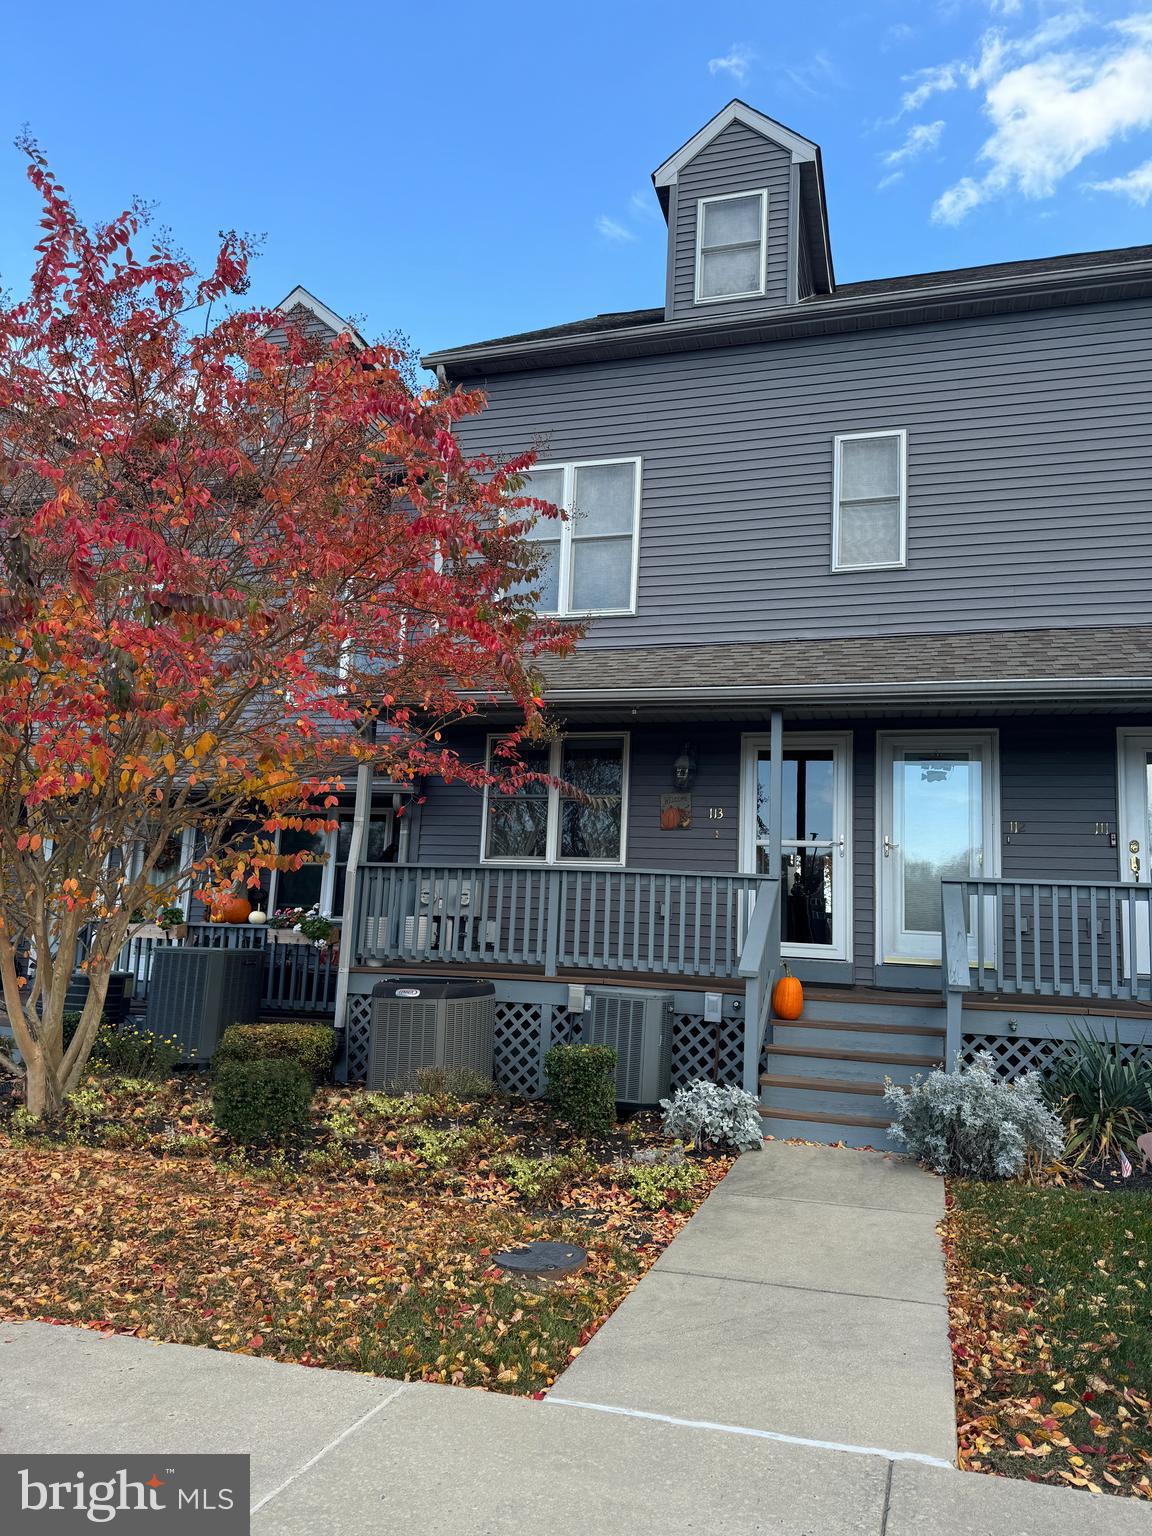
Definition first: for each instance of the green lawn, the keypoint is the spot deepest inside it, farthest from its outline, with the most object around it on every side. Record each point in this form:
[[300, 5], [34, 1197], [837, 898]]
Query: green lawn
[[1052, 1333]]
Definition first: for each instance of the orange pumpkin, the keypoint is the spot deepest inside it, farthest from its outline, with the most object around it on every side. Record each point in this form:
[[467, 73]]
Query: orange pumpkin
[[670, 818], [235, 909], [788, 997]]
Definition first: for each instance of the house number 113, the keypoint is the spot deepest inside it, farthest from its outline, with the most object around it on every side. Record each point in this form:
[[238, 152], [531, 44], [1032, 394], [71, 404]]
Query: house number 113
[[715, 813]]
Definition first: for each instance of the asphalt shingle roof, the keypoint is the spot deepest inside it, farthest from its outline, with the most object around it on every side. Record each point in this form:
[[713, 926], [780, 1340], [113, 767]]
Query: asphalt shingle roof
[[867, 664]]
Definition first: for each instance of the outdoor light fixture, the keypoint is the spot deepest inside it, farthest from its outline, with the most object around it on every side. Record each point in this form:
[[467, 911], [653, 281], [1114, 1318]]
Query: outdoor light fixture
[[684, 768]]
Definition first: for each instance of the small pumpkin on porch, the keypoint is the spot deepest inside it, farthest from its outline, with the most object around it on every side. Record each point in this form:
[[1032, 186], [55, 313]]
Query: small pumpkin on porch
[[234, 910], [788, 997]]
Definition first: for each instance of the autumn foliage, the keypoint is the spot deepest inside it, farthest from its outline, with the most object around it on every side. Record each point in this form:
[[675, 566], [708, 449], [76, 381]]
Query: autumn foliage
[[234, 559]]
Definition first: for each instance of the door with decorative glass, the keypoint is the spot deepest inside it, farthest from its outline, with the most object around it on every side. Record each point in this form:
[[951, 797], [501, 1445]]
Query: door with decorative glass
[[937, 821], [815, 842], [1134, 767]]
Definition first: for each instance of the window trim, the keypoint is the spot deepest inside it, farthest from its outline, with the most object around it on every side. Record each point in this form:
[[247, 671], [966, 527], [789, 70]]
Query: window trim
[[901, 434], [552, 835], [568, 468], [750, 293]]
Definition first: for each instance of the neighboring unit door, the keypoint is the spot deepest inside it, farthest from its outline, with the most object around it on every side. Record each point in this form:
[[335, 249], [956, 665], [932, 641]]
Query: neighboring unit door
[[937, 821], [1134, 771], [815, 844]]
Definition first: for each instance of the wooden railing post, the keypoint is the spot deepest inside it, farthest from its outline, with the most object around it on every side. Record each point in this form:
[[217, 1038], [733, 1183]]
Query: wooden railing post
[[759, 962], [360, 815], [955, 969], [550, 895]]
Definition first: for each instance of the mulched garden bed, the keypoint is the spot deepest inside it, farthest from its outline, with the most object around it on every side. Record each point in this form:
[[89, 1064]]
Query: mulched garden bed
[[364, 1245]]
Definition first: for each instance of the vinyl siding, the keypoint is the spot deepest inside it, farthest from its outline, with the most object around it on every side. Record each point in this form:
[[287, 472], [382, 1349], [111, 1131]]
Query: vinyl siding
[[737, 160], [1057, 777], [1029, 474]]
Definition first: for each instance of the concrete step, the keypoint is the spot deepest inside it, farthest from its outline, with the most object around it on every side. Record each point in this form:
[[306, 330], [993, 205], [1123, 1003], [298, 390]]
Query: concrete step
[[869, 1066], [849, 1035], [829, 1095], [813, 1125]]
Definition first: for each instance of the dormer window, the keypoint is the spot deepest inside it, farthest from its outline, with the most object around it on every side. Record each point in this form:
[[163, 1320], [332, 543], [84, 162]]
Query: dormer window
[[731, 246]]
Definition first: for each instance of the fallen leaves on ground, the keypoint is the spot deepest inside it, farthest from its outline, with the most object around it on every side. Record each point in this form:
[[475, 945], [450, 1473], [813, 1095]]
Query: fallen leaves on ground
[[1052, 1334], [378, 1263]]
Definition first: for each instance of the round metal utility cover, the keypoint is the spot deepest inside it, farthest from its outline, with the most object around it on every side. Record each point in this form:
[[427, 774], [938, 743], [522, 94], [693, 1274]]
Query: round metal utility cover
[[542, 1259]]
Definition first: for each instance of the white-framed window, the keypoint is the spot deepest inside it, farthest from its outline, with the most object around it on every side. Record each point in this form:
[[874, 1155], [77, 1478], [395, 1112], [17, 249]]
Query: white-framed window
[[322, 884], [542, 824], [731, 246], [870, 500], [590, 557]]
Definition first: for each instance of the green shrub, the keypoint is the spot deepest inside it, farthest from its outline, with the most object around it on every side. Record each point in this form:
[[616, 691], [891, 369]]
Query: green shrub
[[261, 1100], [661, 1185], [582, 1086], [542, 1180], [457, 1147], [1103, 1097], [126, 1051], [311, 1046]]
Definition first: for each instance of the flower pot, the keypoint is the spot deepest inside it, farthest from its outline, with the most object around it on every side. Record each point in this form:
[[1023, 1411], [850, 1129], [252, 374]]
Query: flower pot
[[286, 936]]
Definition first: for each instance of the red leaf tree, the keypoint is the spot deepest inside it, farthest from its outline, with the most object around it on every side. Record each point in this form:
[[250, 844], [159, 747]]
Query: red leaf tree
[[225, 548]]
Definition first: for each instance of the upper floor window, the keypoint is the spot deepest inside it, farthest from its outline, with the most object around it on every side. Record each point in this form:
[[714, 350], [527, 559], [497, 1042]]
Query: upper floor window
[[731, 246], [869, 500], [589, 559], [541, 822]]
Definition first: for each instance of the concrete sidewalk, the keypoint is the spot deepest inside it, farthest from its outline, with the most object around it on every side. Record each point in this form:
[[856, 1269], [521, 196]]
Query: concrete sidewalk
[[361, 1455], [805, 1298]]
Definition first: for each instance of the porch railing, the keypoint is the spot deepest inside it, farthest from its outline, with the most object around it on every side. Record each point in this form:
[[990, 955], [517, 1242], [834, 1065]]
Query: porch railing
[[612, 920], [760, 966], [298, 978], [1045, 938]]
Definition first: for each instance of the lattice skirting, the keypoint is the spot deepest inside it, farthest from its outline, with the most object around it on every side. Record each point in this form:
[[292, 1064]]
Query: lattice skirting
[[525, 1031], [1014, 1054]]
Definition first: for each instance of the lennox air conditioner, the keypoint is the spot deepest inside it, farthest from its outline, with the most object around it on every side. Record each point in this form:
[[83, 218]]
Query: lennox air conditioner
[[194, 994], [638, 1027], [430, 1022]]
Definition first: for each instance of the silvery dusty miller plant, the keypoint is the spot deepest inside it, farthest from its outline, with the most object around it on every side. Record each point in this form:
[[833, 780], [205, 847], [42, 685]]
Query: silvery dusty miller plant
[[974, 1124], [705, 1111]]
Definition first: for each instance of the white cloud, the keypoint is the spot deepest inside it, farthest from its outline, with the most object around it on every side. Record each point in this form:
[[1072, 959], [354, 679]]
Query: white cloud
[[920, 138], [736, 62], [1136, 184], [643, 205], [926, 83], [898, 32], [1050, 106], [813, 76], [612, 229]]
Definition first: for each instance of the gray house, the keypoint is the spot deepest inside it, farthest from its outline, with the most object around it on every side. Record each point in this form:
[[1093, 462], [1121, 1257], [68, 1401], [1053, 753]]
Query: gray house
[[866, 683]]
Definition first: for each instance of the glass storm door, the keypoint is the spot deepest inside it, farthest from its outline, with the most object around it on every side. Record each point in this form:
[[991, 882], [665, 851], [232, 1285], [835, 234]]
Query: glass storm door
[[815, 836], [937, 821], [1135, 781]]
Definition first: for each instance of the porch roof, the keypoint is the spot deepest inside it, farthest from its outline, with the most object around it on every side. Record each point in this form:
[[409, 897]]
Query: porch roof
[[1090, 665]]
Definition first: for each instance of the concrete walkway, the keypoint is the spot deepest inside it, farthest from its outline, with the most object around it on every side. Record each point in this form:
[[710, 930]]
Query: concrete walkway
[[735, 1390], [806, 1298]]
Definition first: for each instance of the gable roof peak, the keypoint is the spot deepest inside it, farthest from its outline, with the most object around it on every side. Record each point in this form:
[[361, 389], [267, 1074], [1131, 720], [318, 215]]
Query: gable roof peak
[[300, 298], [801, 149]]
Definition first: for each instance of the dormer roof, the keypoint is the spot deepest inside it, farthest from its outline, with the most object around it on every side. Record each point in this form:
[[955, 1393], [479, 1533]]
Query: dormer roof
[[805, 156]]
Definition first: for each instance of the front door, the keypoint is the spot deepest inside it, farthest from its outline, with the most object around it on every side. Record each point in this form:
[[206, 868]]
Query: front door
[[937, 820], [1134, 765], [815, 842]]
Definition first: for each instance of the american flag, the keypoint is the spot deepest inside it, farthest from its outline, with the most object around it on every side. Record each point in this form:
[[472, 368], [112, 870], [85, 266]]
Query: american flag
[[1125, 1166]]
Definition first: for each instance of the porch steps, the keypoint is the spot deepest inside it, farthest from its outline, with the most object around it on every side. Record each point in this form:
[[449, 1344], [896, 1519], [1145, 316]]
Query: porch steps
[[824, 1072]]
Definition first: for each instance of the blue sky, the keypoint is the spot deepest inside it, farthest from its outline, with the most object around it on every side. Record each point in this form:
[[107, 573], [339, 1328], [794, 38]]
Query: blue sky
[[463, 171]]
